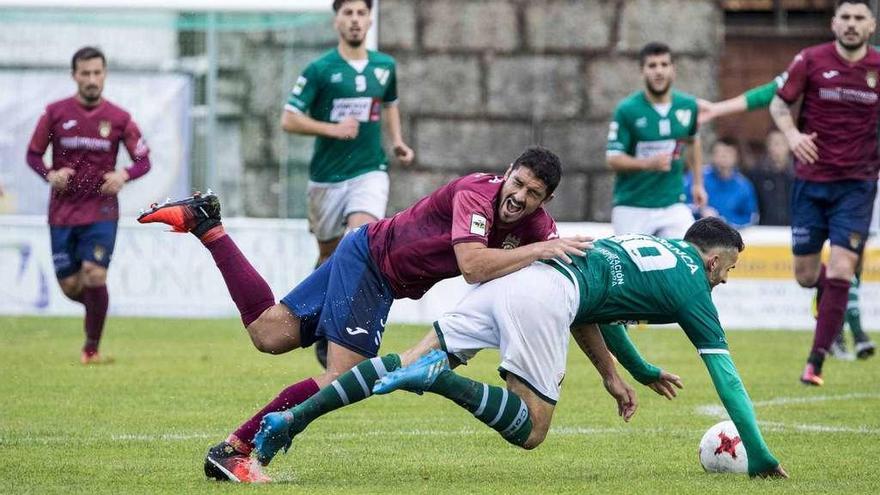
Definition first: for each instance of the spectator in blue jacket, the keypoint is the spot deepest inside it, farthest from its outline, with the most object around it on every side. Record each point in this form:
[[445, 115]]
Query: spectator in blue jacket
[[731, 195]]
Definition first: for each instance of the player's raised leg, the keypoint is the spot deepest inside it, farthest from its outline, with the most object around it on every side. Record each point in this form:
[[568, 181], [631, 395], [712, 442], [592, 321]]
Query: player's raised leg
[[273, 328]]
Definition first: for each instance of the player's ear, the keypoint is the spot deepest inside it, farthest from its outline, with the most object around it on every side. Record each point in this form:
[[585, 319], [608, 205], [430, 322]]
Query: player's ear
[[548, 199], [509, 170]]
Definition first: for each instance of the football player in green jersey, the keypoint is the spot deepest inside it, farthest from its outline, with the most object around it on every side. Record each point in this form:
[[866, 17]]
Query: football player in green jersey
[[342, 98], [651, 138], [527, 316]]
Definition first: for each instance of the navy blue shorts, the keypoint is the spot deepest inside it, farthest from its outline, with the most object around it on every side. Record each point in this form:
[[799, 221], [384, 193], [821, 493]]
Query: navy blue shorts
[[839, 211], [73, 245], [346, 300]]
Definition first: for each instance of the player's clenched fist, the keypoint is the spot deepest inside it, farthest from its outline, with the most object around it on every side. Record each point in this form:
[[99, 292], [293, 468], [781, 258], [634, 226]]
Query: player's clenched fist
[[347, 129], [562, 247], [58, 179], [661, 162]]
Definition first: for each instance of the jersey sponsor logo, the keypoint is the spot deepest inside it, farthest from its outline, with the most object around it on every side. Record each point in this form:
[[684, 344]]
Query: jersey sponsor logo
[[70, 124], [336, 78], [478, 224], [684, 117], [382, 75], [871, 79], [830, 74], [356, 331], [359, 108], [104, 128], [848, 95], [647, 149], [642, 122], [85, 143], [299, 86]]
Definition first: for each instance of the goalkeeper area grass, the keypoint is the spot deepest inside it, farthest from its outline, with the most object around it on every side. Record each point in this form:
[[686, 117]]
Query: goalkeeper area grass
[[144, 423]]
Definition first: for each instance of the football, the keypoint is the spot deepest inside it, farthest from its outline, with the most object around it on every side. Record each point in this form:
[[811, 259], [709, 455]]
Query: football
[[722, 451]]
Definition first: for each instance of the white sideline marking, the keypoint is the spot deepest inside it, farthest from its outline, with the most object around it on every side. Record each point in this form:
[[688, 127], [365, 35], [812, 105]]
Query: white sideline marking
[[717, 411]]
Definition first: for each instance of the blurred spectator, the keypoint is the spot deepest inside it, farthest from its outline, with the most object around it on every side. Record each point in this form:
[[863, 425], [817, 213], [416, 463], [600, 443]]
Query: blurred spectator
[[772, 177], [731, 195]]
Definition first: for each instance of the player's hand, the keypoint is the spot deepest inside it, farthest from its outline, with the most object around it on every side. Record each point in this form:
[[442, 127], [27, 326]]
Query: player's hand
[[624, 395], [700, 196], [660, 163], [563, 247], [777, 472], [666, 385], [347, 129], [113, 182], [404, 153], [803, 146], [58, 179], [706, 111]]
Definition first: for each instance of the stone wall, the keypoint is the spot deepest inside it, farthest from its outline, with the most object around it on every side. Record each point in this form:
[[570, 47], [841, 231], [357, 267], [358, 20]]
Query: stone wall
[[481, 80]]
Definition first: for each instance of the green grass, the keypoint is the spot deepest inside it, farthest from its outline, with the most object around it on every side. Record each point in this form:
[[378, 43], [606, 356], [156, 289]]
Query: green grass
[[143, 424]]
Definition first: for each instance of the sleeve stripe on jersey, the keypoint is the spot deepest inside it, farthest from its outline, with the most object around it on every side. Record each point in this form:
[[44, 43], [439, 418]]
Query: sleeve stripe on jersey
[[391, 103], [614, 152], [291, 108], [713, 351], [571, 275]]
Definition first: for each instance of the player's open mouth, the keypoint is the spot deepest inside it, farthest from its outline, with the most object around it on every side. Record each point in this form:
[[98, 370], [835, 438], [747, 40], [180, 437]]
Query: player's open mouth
[[512, 207]]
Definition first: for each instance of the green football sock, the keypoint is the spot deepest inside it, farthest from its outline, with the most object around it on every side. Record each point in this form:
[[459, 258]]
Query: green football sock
[[853, 315], [499, 408], [353, 386]]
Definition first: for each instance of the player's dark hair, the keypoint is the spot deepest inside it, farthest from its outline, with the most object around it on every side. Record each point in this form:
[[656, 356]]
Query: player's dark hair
[[87, 53], [653, 48], [543, 163], [866, 3], [712, 232], [337, 4]]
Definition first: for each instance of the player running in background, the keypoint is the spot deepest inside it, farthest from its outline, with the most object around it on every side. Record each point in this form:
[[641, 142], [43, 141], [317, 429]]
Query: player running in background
[[527, 315], [85, 132], [651, 138], [342, 98], [836, 163], [758, 98], [481, 226]]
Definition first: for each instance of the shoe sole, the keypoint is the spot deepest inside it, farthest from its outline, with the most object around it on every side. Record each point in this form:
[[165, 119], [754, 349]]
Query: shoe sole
[[223, 472]]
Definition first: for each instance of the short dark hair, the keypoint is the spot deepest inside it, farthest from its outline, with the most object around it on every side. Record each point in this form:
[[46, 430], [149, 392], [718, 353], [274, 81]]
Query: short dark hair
[[866, 3], [543, 163], [653, 48], [337, 4], [87, 53], [712, 232]]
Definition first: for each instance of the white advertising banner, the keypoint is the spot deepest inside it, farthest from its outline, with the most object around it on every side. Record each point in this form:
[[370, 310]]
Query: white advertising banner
[[157, 273], [159, 103]]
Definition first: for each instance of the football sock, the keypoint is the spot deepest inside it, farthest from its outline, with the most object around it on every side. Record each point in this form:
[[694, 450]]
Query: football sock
[[248, 289], [352, 386], [831, 311], [853, 315], [96, 300], [497, 407], [243, 438]]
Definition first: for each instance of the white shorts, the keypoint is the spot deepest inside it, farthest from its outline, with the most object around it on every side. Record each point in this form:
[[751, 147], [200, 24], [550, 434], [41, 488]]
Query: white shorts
[[669, 221], [330, 203], [526, 315]]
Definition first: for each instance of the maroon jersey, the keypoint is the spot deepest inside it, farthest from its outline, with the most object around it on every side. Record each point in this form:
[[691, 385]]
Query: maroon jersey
[[840, 104], [87, 141], [413, 249]]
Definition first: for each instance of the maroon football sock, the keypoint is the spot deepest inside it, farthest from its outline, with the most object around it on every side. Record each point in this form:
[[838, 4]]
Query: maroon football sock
[[250, 292], [832, 308], [243, 438], [96, 301]]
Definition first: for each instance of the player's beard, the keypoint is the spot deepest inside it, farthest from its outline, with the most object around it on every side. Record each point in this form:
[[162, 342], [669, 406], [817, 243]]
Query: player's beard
[[851, 47], [90, 97], [354, 43], [657, 93]]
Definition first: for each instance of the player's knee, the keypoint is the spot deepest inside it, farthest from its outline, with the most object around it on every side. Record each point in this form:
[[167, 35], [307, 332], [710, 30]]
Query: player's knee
[[268, 340], [94, 275]]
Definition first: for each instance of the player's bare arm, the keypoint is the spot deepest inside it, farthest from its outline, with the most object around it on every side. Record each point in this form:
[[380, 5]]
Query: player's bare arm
[[802, 145], [621, 162], [391, 116], [694, 159], [299, 123], [590, 341], [479, 263]]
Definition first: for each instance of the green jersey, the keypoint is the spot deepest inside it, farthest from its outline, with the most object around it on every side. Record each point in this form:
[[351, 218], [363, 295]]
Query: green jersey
[[332, 89], [642, 129], [647, 278]]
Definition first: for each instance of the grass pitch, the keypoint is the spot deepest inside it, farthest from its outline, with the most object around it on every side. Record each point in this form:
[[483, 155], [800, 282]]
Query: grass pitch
[[143, 424]]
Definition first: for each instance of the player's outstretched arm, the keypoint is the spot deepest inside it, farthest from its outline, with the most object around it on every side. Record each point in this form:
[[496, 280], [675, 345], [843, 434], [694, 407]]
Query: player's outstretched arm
[[619, 343], [754, 99], [739, 407], [589, 339], [479, 263]]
